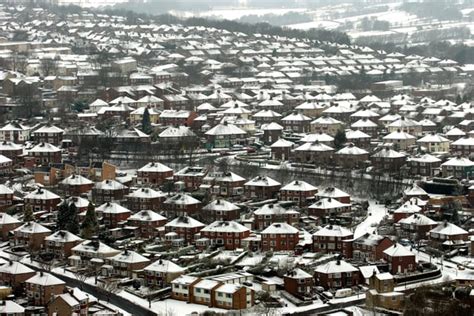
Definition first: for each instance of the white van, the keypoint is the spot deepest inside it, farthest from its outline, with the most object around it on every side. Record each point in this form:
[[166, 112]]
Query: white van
[[343, 293]]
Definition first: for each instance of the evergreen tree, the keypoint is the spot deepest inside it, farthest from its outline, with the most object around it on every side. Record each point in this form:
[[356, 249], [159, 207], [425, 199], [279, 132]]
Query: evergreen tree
[[73, 223], [89, 226], [146, 122], [63, 216], [340, 139], [28, 214]]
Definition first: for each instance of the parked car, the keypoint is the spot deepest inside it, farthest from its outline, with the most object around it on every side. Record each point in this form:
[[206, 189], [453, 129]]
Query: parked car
[[343, 293]]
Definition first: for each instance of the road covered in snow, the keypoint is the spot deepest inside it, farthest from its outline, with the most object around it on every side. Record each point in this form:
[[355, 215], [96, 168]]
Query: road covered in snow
[[376, 213]]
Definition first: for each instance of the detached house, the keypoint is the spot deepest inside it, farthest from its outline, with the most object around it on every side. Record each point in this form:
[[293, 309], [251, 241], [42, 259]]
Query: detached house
[[182, 230], [298, 191], [42, 287], [330, 239], [48, 134], [227, 234], [225, 136], [298, 283], [336, 275], [271, 213], [153, 173], [162, 272], [262, 188], [280, 237], [400, 259], [61, 243], [147, 223], [45, 154]]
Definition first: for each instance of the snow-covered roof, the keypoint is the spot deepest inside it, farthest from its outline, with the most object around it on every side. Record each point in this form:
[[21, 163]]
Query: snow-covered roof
[[263, 181], [352, 150], [63, 236], [398, 250], [333, 231], [155, 167], [146, 216], [280, 228], [164, 266], [336, 266], [32, 228], [44, 279], [112, 208], [129, 257], [225, 129], [220, 205], [448, 229], [299, 185], [185, 222], [76, 180], [418, 220], [225, 227]]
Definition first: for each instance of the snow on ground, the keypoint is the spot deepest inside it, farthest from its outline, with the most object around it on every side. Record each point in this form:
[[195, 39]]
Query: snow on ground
[[377, 213], [315, 25], [236, 13], [170, 306], [290, 308]]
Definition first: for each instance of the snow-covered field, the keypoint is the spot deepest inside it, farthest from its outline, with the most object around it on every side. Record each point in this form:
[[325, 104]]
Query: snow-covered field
[[235, 13]]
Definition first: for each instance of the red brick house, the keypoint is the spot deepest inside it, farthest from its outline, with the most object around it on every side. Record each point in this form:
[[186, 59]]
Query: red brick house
[[334, 193], [42, 200], [48, 134], [400, 259], [281, 149], [181, 204], [6, 197], [145, 199], [113, 214], [388, 160], [222, 210], [126, 264], [12, 151], [153, 173], [329, 239], [15, 274], [45, 154], [368, 247], [7, 224], [274, 213], [109, 190], [147, 223], [313, 153], [298, 283], [447, 235], [262, 188], [191, 177], [405, 210], [416, 227], [162, 272], [337, 274], [280, 237], [328, 207], [42, 287], [225, 184], [30, 235], [61, 243], [227, 234], [351, 156], [76, 185], [184, 228], [298, 191], [176, 118]]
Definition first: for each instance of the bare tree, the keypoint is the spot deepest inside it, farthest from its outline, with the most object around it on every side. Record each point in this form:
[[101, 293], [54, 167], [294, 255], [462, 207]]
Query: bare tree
[[48, 67], [108, 287]]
